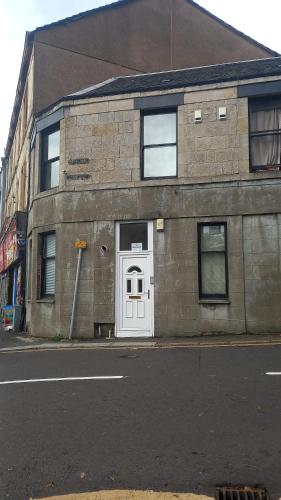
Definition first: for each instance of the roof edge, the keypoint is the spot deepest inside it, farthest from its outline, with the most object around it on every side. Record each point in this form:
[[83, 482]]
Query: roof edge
[[80, 15], [81, 95], [121, 3], [232, 28], [27, 49]]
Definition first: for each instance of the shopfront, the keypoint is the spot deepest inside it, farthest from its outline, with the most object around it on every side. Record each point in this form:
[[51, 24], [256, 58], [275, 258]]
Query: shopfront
[[12, 253]]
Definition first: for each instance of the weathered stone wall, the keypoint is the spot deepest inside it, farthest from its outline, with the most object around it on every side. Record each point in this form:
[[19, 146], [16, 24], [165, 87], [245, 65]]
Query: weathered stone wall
[[65, 283], [178, 310], [262, 255], [213, 184], [213, 148], [108, 134], [252, 251], [43, 315], [109, 138]]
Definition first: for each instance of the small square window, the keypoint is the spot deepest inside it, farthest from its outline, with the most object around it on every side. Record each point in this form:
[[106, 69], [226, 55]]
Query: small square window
[[159, 144], [50, 156]]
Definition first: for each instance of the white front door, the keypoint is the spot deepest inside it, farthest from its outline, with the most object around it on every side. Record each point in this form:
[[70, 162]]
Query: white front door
[[134, 289]]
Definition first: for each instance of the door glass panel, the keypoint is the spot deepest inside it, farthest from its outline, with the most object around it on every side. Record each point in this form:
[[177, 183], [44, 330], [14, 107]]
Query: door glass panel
[[134, 269], [129, 286], [140, 287], [133, 237]]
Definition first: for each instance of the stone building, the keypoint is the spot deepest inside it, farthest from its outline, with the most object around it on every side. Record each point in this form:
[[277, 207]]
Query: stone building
[[173, 179], [124, 38], [117, 39]]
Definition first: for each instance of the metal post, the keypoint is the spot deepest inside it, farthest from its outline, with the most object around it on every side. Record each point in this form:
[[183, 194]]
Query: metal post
[[75, 293]]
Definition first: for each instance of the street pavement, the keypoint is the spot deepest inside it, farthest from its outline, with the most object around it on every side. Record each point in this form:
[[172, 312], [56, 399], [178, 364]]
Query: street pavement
[[9, 339], [180, 420]]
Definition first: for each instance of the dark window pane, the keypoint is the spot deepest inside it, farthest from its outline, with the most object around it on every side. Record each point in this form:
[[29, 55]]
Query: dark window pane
[[213, 260], [131, 234], [213, 274], [160, 161], [212, 238], [49, 168], [160, 129], [129, 286], [140, 288]]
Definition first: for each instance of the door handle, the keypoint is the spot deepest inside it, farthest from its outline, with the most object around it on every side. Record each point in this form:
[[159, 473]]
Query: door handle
[[148, 294]]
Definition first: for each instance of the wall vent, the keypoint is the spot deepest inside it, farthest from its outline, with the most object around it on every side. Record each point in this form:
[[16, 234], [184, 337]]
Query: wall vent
[[103, 330], [241, 493]]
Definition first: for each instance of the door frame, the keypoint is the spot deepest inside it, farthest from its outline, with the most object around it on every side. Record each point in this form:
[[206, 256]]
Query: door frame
[[118, 278]]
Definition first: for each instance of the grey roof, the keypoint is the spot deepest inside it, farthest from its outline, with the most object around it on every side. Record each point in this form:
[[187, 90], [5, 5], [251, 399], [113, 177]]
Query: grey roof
[[183, 78]]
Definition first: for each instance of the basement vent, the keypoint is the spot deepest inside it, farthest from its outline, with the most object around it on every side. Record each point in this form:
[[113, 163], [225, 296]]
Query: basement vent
[[103, 330], [240, 493]]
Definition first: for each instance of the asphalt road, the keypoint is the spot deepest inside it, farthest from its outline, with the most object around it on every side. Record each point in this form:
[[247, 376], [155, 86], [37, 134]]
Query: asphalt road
[[183, 420]]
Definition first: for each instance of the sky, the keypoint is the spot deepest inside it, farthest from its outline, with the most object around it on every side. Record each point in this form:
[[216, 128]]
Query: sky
[[257, 18]]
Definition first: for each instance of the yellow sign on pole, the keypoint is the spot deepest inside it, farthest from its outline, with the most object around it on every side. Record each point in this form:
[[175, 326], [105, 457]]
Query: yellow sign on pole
[[80, 244]]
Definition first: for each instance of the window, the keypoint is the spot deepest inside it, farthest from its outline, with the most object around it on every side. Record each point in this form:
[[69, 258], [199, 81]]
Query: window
[[29, 269], [133, 237], [212, 243], [50, 159], [265, 134], [159, 144], [48, 276]]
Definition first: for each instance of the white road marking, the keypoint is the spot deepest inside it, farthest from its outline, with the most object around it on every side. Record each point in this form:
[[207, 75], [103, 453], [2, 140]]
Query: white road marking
[[28, 381], [273, 373]]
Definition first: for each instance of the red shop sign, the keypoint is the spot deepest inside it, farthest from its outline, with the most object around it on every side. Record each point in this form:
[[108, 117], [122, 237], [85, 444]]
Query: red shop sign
[[9, 248]]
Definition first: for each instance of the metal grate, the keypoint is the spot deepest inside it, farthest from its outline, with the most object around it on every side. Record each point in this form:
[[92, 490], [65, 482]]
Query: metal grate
[[240, 493]]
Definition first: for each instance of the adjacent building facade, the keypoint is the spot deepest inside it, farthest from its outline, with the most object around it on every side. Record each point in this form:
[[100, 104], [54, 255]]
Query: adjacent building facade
[[173, 179], [86, 169]]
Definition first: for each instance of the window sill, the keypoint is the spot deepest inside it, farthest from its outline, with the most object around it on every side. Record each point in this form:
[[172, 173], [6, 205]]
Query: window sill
[[158, 178], [257, 170], [46, 300], [46, 192], [214, 301]]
